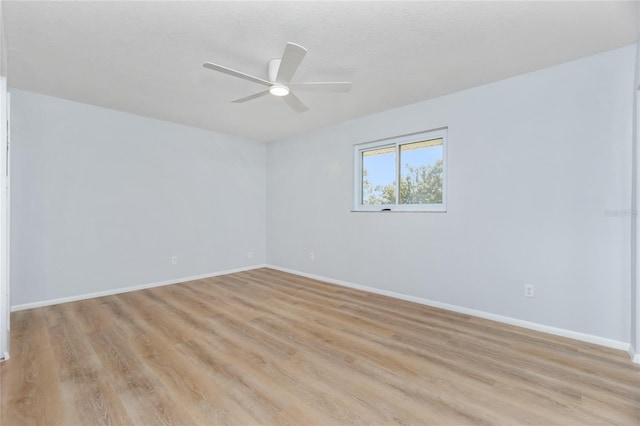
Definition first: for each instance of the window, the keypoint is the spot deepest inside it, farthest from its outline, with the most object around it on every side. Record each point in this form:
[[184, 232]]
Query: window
[[405, 173]]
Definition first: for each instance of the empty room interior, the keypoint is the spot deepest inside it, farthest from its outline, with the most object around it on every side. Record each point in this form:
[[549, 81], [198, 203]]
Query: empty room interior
[[319, 213]]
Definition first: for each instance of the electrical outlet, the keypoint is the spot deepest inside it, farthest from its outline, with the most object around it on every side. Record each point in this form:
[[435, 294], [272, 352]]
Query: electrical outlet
[[174, 260], [528, 290], [250, 255], [312, 256]]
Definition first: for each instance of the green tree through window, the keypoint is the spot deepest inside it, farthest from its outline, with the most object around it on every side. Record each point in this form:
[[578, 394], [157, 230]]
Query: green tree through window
[[422, 185]]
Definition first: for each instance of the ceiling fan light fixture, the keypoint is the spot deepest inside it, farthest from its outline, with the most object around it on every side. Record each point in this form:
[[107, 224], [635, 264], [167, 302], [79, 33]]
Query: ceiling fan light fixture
[[279, 90]]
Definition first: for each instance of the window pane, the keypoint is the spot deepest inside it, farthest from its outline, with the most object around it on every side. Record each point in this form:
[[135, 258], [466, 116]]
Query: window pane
[[378, 176], [421, 172]]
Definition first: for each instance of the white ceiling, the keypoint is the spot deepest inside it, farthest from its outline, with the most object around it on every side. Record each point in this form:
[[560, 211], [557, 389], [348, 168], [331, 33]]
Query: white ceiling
[[146, 57]]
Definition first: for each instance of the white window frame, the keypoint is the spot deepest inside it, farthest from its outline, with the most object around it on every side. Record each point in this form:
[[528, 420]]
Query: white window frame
[[397, 141]]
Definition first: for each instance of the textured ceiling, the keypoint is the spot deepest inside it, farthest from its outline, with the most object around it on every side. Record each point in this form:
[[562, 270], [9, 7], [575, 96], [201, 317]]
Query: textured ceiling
[[146, 57]]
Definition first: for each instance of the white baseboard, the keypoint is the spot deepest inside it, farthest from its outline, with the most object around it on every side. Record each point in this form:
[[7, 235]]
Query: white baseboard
[[589, 338], [50, 302], [635, 357]]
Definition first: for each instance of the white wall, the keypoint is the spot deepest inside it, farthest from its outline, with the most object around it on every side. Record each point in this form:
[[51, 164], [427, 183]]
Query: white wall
[[635, 193], [103, 199], [4, 276], [535, 161]]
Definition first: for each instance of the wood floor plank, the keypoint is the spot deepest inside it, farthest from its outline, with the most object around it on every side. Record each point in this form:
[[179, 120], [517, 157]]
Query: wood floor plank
[[142, 394], [34, 396], [267, 347], [89, 397]]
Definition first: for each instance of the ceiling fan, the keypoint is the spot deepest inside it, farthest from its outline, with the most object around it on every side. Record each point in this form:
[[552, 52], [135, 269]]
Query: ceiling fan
[[280, 73]]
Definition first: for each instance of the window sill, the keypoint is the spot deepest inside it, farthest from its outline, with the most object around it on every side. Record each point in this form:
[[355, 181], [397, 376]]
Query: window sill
[[398, 211]]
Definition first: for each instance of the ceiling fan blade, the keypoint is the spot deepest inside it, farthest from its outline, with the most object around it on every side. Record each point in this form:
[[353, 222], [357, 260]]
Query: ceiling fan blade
[[291, 59], [235, 73], [248, 98], [333, 86], [295, 103]]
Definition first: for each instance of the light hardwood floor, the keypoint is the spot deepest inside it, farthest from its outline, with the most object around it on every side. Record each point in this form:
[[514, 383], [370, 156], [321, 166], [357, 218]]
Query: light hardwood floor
[[265, 347]]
